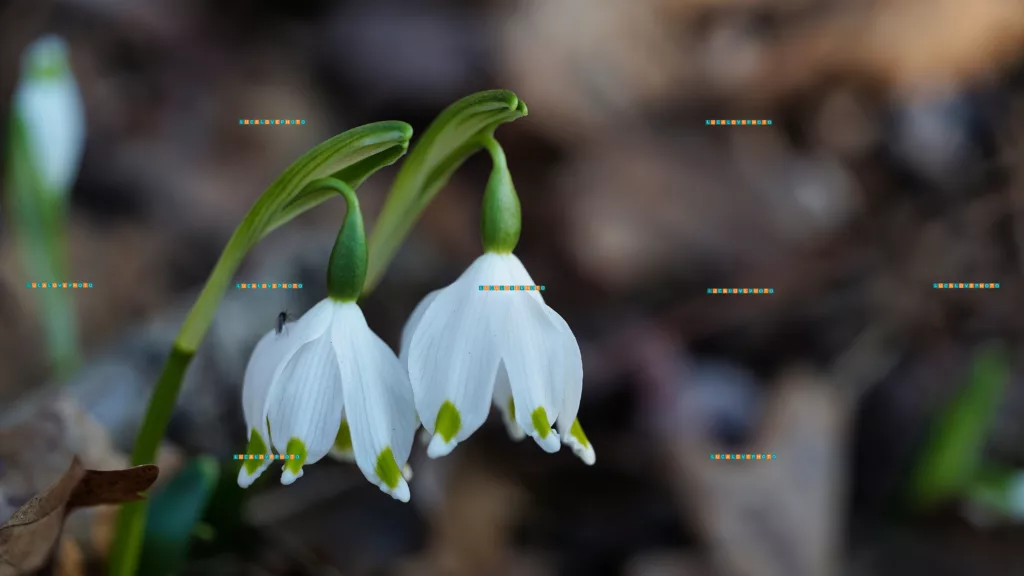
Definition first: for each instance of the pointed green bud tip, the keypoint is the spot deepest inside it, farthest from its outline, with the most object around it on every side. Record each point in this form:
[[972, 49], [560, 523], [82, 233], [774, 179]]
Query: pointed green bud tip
[[296, 458], [258, 447], [387, 468], [343, 441], [501, 215], [539, 417], [448, 422]]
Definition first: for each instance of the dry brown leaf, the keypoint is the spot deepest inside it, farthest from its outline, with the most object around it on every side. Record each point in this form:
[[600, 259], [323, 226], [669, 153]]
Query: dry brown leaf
[[907, 46], [778, 518], [27, 540], [70, 558]]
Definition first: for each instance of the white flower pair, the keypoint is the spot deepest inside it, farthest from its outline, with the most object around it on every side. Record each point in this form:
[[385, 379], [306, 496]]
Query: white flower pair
[[328, 384]]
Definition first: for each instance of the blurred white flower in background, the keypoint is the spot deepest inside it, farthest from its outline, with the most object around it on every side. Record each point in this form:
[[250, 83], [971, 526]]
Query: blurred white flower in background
[[328, 383], [467, 348], [48, 107]]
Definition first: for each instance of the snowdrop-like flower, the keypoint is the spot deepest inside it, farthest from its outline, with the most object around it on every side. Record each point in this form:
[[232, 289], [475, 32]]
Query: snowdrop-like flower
[[48, 107], [328, 383], [466, 348]]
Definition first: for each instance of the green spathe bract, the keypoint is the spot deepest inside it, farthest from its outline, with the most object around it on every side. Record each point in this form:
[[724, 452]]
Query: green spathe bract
[[350, 157]]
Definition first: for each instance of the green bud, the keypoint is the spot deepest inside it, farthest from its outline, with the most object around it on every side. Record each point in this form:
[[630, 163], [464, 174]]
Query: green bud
[[501, 216], [346, 270]]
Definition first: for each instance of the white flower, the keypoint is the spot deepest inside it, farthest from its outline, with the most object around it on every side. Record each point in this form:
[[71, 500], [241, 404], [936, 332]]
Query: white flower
[[328, 382], [466, 348], [49, 108]]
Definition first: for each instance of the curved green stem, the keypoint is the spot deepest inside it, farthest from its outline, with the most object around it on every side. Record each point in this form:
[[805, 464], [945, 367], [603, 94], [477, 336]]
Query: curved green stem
[[350, 157], [501, 214], [455, 135], [346, 270]]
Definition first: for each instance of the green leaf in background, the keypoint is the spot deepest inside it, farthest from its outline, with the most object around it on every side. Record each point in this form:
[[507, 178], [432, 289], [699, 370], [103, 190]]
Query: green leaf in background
[[352, 157], [174, 515], [1001, 491], [951, 460], [44, 151], [455, 135]]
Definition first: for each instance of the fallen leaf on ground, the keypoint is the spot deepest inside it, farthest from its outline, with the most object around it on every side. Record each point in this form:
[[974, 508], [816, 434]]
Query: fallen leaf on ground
[[27, 540], [776, 518]]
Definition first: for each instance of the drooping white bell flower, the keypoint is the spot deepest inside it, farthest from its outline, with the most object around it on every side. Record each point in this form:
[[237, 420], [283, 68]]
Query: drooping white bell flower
[[48, 108], [327, 382], [466, 347]]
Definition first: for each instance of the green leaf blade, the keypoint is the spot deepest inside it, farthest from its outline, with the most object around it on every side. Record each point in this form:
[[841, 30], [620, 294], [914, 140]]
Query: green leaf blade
[[173, 515], [952, 458]]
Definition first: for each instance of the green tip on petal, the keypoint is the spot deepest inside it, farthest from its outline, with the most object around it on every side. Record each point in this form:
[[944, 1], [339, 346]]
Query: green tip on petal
[[576, 431], [448, 422], [387, 469], [296, 447], [343, 441], [512, 409], [256, 446], [540, 422]]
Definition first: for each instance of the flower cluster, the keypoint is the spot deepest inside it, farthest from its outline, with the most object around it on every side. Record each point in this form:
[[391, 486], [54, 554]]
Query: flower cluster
[[327, 384]]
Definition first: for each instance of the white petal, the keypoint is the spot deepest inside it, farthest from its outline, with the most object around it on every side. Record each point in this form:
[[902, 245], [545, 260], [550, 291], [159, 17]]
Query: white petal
[[256, 383], [518, 275], [270, 354], [382, 415], [306, 403], [412, 324], [454, 354], [572, 372], [532, 352], [579, 443], [280, 349], [572, 366], [503, 401]]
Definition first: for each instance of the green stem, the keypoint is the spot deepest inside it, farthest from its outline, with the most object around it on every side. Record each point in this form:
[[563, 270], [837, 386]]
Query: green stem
[[39, 221], [350, 157], [451, 138], [501, 214], [346, 269]]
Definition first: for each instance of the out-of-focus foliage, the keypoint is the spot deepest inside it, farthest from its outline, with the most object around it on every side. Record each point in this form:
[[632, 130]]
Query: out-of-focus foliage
[[953, 456]]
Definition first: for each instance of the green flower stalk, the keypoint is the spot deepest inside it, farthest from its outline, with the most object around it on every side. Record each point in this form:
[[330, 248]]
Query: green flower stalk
[[501, 215], [346, 270], [456, 134]]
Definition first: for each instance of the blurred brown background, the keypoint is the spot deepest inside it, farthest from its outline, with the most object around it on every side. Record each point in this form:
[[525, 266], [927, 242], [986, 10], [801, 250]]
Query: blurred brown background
[[893, 162]]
